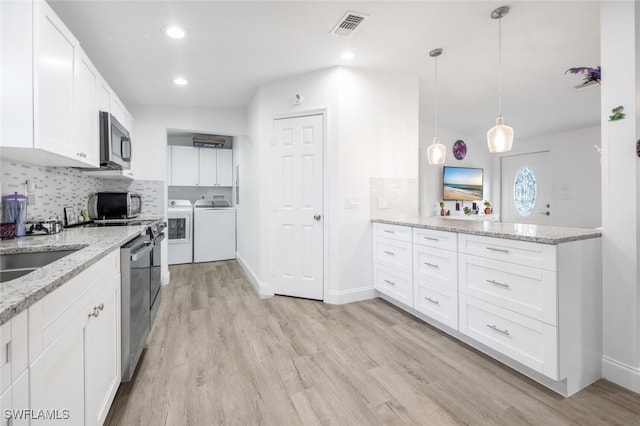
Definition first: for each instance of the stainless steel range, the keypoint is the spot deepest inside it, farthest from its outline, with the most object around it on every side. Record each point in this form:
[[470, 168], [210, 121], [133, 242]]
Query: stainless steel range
[[141, 288]]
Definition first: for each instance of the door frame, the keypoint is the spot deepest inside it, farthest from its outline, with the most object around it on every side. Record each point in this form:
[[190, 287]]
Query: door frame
[[325, 191]]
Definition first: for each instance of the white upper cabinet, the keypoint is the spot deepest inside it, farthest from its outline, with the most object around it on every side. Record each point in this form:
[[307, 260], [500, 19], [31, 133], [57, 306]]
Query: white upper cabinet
[[184, 166], [87, 136], [51, 92], [190, 166], [55, 52]]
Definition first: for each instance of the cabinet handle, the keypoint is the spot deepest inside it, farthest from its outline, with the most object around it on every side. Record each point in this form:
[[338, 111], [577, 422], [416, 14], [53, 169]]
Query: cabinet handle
[[95, 313], [7, 349], [435, 302], [498, 250], [100, 307], [493, 327], [505, 285], [389, 282], [433, 265], [431, 238], [390, 253], [388, 231]]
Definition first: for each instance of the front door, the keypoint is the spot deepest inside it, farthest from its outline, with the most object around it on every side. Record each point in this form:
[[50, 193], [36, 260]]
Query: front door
[[298, 192], [527, 188]]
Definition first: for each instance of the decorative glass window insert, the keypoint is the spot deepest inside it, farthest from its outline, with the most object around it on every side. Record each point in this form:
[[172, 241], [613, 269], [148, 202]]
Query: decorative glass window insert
[[525, 191]]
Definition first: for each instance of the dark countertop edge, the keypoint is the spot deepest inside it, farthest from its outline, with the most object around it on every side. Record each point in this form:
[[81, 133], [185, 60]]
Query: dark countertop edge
[[541, 240], [39, 294]]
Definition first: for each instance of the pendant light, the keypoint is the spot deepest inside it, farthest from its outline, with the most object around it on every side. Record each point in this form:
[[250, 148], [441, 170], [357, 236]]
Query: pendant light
[[500, 137], [436, 151]]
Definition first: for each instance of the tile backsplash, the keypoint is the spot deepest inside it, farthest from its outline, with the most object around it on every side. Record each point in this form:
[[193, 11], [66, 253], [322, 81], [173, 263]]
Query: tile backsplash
[[193, 193], [394, 196], [59, 187]]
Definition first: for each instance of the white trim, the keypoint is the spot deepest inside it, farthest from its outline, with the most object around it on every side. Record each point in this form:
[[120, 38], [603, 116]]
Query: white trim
[[340, 297], [166, 278], [621, 374], [263, 289]]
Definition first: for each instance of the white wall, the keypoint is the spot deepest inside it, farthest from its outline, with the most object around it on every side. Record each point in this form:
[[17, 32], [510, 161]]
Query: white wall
[[478, 156], [371, 131], [576, 174], [150, 140], [620, 57]]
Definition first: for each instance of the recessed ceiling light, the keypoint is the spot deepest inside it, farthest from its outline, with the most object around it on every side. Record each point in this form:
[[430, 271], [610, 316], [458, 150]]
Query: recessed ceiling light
[[347, 56], [175, 32], [180, 81]]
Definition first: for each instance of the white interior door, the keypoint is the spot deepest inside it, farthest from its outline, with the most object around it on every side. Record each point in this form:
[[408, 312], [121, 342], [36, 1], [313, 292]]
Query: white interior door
[[527, 188], [298, 192]]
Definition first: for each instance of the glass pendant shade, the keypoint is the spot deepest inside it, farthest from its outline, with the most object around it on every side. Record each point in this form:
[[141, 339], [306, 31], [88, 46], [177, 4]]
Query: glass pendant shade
[[500, 137], [436, 152]]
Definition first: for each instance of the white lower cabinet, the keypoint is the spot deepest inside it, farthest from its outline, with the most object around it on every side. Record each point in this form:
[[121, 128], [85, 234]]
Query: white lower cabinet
[[536, 307], [74, 336]]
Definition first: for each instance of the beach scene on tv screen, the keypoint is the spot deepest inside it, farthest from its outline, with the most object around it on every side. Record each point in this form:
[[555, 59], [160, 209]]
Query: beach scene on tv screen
[[462, 184]]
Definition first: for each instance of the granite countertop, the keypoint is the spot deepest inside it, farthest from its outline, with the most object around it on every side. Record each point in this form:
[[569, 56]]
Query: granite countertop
[[92, 243], [513, 231]]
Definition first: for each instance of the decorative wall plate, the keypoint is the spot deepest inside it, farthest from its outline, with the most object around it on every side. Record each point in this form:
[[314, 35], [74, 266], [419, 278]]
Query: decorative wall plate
[[459, 149]]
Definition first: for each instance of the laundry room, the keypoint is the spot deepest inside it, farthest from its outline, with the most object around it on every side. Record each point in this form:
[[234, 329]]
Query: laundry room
[[201, 215]]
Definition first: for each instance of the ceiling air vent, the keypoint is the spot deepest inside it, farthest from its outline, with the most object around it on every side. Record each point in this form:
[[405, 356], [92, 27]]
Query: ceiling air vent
[[348, 23], [208, 141]]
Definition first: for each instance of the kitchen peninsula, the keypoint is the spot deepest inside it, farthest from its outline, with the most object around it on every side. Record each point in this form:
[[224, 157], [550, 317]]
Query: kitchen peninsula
[[527, 295]]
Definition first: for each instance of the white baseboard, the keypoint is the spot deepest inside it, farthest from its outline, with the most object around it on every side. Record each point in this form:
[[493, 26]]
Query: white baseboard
[[340, 297], [166, 278], [621, 374], [263, 289]]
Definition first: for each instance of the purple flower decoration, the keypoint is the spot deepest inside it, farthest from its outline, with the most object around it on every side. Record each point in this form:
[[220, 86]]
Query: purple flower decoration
[[591, 74]]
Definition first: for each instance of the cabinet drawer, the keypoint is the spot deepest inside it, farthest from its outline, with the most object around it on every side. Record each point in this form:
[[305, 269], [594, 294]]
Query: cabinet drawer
[[436, 266], [437, 302], [528, 291], [525, 340], [519, 252], [393, 283], [394, 253], [437, 239], [396, 232], [13, 349]]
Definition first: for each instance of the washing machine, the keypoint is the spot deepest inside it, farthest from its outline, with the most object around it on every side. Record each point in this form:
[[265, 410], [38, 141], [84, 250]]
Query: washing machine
[[180, 231]]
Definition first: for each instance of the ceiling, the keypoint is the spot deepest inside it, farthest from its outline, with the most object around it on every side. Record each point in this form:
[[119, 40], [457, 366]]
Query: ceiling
[[233, 47]]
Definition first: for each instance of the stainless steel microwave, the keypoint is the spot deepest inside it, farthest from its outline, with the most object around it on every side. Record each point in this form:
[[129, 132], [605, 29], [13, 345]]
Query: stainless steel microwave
[[115, 143], [114, 205]]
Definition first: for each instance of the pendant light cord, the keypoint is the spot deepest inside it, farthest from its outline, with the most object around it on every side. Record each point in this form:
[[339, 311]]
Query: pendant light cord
[[436, 99], [500, 67]]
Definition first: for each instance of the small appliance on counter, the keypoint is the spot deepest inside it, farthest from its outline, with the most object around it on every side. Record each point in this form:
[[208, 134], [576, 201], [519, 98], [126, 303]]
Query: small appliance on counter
[[44, 227], [14, 211], [114, 205]]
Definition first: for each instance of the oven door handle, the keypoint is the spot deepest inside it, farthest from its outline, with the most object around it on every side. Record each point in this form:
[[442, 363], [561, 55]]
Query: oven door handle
[[140, 253]]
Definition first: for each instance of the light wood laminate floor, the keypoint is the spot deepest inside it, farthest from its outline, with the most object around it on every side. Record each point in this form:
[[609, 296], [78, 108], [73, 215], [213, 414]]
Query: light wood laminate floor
[[218, 354]]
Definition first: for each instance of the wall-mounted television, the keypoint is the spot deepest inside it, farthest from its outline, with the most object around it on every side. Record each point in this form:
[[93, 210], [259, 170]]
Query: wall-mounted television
[[462, 184]]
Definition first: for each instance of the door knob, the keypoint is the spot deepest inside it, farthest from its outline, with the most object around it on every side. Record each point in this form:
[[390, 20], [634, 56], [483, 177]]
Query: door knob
[[317, 216], [546, 213]]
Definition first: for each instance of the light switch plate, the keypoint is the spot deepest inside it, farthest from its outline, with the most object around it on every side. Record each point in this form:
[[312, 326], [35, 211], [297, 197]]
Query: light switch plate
[[351, 202]]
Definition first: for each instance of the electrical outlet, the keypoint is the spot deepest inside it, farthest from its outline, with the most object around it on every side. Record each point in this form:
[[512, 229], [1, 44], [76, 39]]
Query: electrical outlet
[[383, 203]]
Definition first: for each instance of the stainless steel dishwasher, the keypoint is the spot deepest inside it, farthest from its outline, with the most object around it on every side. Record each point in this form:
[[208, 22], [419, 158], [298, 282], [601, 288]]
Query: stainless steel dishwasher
[[136, 260]]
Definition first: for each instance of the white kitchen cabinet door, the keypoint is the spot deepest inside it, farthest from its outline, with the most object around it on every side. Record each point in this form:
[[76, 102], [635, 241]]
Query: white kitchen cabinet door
[[116, 108], [169, 166], [102, 354], [103, 95], [225, 167], [55, 55], [87, 136], [184, 166], [56, 378], [208, 166]]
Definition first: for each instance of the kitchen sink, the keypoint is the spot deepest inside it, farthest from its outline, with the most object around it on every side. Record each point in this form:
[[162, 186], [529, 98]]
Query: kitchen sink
[[15, 265]]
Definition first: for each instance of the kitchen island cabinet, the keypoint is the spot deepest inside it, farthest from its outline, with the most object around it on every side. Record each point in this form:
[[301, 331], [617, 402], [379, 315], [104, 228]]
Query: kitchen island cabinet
[[528, 296]]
